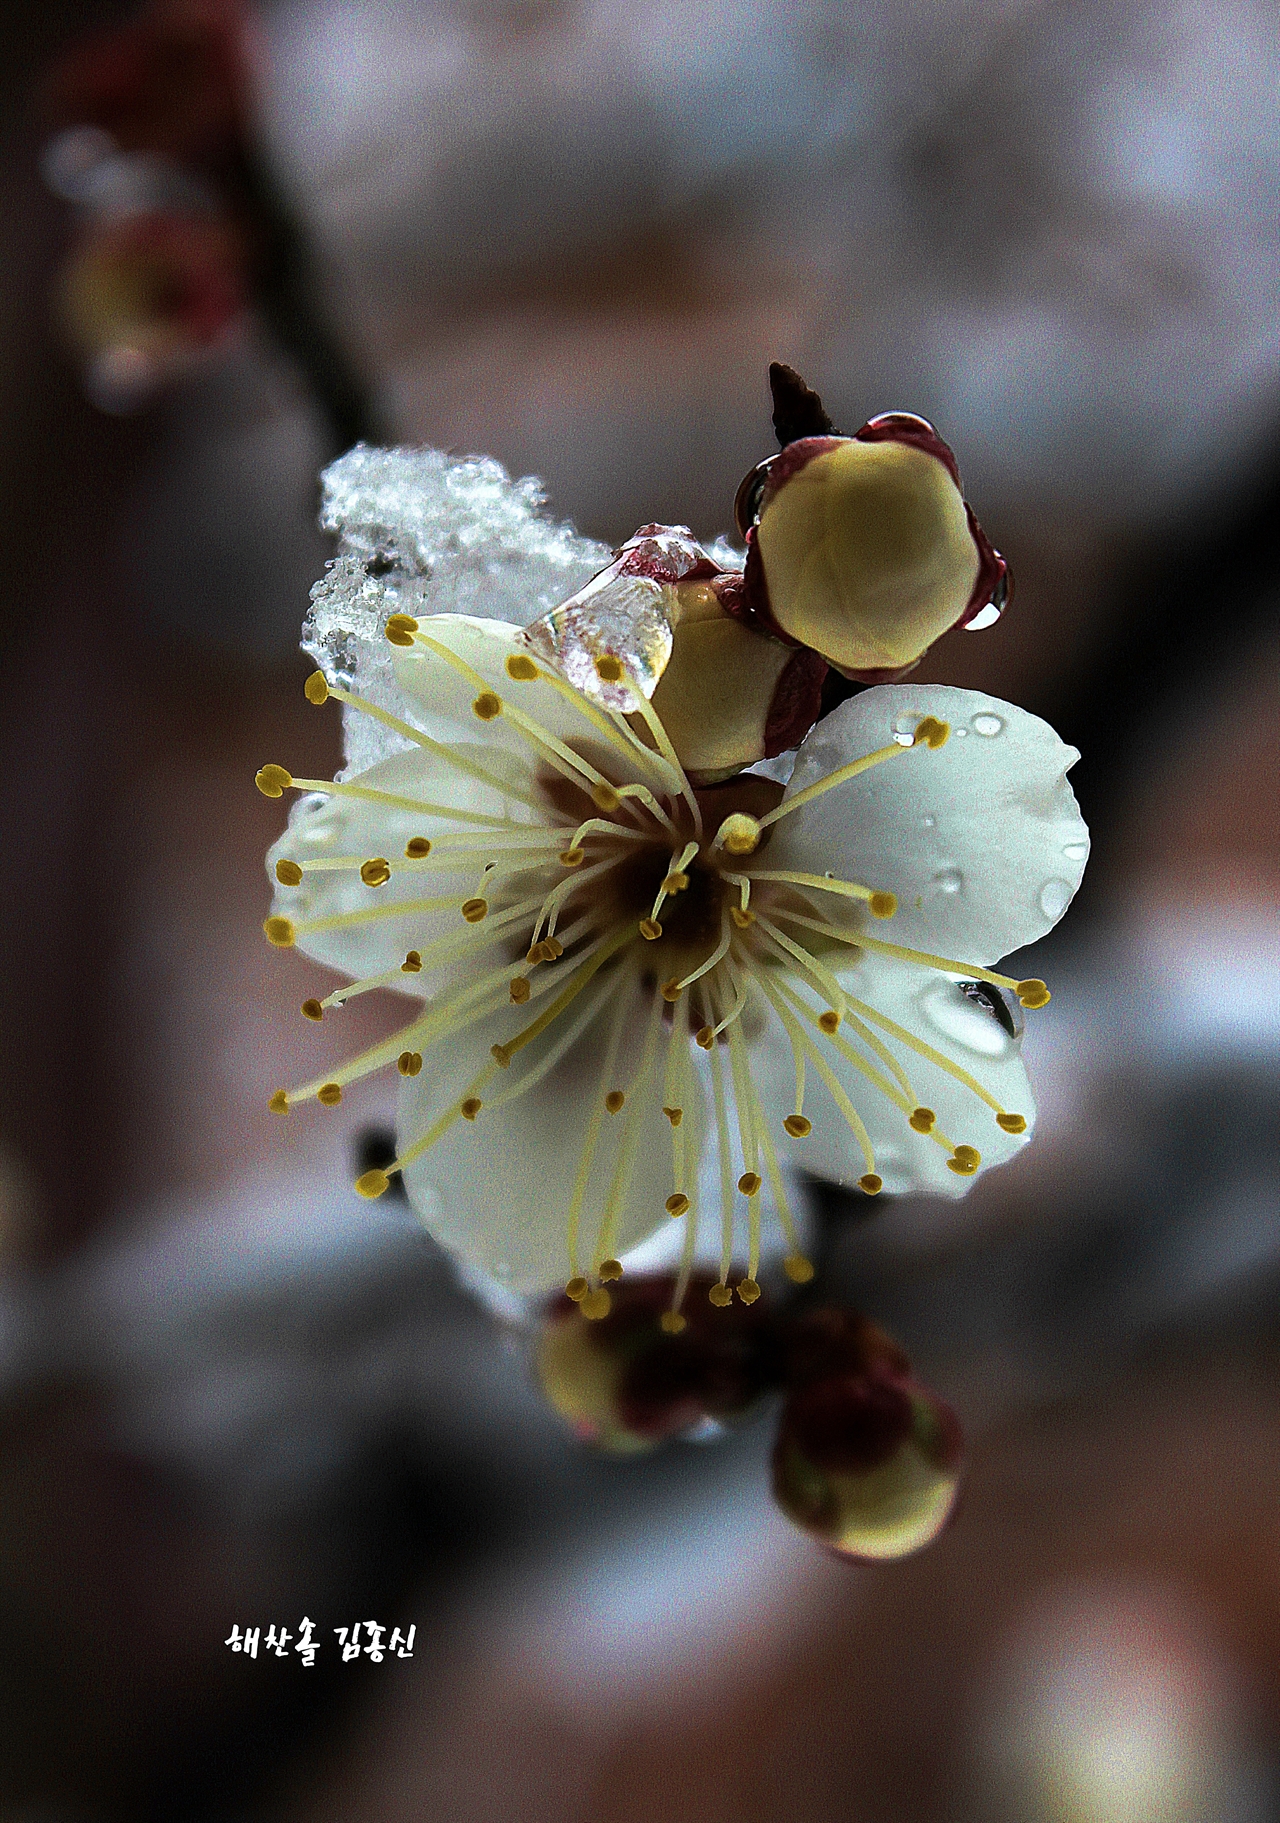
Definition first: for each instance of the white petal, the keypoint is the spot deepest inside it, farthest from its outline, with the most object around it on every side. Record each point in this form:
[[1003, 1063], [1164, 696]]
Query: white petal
[[344, 826], [933, 1009], [981, 840], [444, 696], [497, 1190]]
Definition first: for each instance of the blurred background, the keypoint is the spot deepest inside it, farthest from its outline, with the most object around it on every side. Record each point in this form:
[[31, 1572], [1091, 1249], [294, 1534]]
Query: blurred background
[[571, 234]]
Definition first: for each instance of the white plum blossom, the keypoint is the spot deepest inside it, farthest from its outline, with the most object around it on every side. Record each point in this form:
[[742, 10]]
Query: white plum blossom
[[613, 971]]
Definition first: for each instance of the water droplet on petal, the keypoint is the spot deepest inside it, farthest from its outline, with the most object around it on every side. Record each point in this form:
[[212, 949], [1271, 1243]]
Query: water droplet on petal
[[968, 1024], [960, 733], [929, 823], [1055, 896], [984, 618], [905, 724], [1076, 851], [905, 740], [948, 881], [990, 725]]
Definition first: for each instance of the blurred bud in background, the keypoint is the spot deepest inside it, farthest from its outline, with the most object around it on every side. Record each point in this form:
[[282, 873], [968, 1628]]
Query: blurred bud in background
[[177, 81], [145, 295]]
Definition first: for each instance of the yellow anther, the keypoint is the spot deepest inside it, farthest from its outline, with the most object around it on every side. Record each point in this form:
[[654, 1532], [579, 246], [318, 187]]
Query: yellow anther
[[671, 1322], [288, 873], [417, 848], [474, 910], [520, 990], [797, 1268], [932, 733], [471, 1107], [613, 1101], [741, 918], [748, 1290], [279, 1103], [312, 1009], [1032, 994], [596, 1304], [720, 1295], [609, 669], [521, 668], [610, 1270], [373, 1183], [500, 1055], [604, 797], [553, 947], [316, 688], [871, 1182], [922, 1120], [375, 871], [487, 706], [799, 1126], [541, 952], [412, 964], [883, 905], [705, 1037], [739, 833], [571, 857], [969, 1154], [329, 1094], [577, 1288], [279, 932], [273, 781], [829, 1022], [400, 629], [678, 1204], [650, 930], [671, 990], [749, 1183], [1012, 1123], [675, 883], [674, 1115], [409, 1063], [964, 1161]]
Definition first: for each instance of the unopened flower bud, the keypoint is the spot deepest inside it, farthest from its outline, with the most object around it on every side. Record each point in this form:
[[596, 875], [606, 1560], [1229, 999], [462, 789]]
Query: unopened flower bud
[[627, 1381], [867, 1459]]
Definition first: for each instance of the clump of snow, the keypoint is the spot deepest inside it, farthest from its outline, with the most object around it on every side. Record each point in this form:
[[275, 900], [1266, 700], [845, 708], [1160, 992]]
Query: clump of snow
[[421, 532]]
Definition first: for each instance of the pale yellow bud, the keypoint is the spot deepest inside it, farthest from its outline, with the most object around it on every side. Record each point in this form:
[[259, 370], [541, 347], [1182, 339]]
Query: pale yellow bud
[[867, 554]]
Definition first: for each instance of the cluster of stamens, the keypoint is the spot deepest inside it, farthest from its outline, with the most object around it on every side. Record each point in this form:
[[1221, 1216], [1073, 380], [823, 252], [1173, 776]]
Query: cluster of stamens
[[659, 887]]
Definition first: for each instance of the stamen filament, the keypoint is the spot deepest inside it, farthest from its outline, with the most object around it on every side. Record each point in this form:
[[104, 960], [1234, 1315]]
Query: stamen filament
[[717, 955], [726, 1167], [394, 801], [906, 1101], [934, 1056], [740, 1065], [847, 889], [636, 1106], [452, 756], [840, 776], [831, 990], [619, 735], [846, 1107], [970, 970], [591, 1138], [653, 722], [568, 763]]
